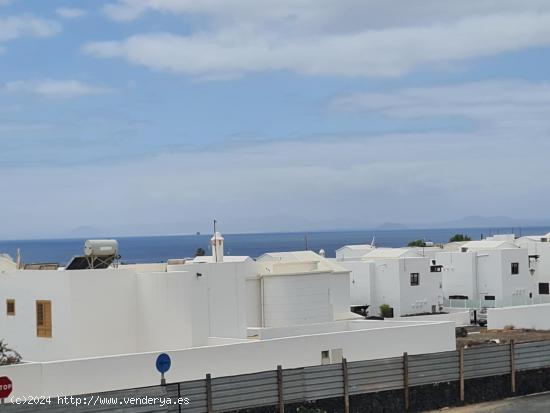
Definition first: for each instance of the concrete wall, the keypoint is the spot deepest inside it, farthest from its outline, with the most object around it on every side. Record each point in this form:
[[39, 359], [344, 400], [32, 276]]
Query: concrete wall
[[387, 281], [227, 295], [102, 310], [460, 318], [542, 264], [527, 316], [422, 298], [20, 330], [138, 370], [386, 286], [296, 299], [482, 273], [458, 273], [120, 311], [253, 302], [361, 281]]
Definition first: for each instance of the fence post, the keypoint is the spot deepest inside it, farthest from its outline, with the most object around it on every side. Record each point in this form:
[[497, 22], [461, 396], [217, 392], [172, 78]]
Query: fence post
[[346, 384], [461, 372], [512, 366], [406, 379], [179, 397], [209, 393], [280, 389]]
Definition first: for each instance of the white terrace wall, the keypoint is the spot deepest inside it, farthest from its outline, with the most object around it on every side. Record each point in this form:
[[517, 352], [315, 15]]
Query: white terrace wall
[[460, 318], [138, 370], [535, 316]]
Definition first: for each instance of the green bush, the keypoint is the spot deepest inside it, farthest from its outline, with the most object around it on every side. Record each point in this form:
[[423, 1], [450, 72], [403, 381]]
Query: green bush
[[385, 310], [417, 243], [459, 238]]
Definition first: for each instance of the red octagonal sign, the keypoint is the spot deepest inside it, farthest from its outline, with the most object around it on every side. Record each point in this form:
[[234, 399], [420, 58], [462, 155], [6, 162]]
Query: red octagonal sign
[[6, 387]]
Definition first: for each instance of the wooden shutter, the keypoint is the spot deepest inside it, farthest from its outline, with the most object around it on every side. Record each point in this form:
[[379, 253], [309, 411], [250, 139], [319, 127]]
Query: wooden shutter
[[44, 318], [10, 306]]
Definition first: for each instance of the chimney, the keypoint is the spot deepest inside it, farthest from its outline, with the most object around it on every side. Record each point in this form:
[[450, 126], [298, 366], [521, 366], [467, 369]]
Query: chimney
[[217, 247]]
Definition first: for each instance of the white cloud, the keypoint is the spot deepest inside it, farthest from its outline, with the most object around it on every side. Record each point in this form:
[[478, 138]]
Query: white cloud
[[70, 12], [514, 105], [321, 37], [26, 25], [348, 182], [55, 88]]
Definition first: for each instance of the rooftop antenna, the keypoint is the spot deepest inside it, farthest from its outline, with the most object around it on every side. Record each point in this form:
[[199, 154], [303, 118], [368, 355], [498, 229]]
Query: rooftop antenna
[[372, 242], [305, 241]]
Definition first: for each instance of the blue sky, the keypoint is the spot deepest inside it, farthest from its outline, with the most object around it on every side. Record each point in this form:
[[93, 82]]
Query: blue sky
[[155, 116]]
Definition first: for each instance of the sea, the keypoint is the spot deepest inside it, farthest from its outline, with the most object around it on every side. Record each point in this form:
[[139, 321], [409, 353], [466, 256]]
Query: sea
[[161, 248]]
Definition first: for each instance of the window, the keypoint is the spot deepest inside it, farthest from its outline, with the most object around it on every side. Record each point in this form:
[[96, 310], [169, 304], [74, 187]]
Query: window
[[515, 268], [415, 278], [458, 297], [435, 268], [44, 319], [544, 289], [10, 306], [490, 298]]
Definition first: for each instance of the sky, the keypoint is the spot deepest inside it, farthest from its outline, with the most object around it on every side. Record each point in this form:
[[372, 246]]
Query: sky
[[157, 116]]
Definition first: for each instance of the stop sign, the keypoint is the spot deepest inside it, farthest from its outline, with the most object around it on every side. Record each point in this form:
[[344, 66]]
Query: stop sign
[[5, 387]]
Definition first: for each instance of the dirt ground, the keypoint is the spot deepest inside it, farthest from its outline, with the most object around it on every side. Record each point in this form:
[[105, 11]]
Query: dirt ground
[[480, 335]]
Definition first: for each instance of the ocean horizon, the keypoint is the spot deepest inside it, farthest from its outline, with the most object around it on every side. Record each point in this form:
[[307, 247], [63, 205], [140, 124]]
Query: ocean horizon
[[159, 248]]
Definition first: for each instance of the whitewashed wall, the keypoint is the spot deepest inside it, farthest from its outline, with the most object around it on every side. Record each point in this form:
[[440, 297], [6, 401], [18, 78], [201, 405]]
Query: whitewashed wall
[[542, 265], [20, 330], [418, 298], [361, 281], [526, 316], [296, 299], [119, 372], [460, 318], [458, 273]]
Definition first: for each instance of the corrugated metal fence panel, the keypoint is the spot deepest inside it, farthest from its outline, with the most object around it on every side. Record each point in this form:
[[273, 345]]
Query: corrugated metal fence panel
[[375, 375], [195, 391], [247, 390], [112, 402], [433, 368], [323, 382], [532, 355], [486, 361], [294, 388]]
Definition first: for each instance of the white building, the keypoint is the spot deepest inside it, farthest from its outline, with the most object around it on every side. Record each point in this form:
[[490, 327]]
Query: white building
[[7, 263], [60, 314], [399, 277], [220, 315], [353, 252], [299, 287], [487, 273], [538, 247]]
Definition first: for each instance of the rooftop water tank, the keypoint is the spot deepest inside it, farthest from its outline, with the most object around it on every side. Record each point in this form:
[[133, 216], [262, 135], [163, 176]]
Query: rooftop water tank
[[100, 247]]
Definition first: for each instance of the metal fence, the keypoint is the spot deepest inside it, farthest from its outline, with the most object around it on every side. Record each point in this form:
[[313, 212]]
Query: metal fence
[[342, 380]]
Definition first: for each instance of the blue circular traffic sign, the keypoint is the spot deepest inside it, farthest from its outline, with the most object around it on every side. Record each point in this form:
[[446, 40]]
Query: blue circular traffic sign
[[163, 363]]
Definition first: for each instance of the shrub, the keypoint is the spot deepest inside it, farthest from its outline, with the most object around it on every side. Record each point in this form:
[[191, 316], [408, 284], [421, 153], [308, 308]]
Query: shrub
[[459, 238], [417, 243], [8, 355], [386, 310]]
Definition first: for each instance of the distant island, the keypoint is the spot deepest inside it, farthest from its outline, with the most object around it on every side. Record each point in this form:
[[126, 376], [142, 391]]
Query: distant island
[[391, 226]]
